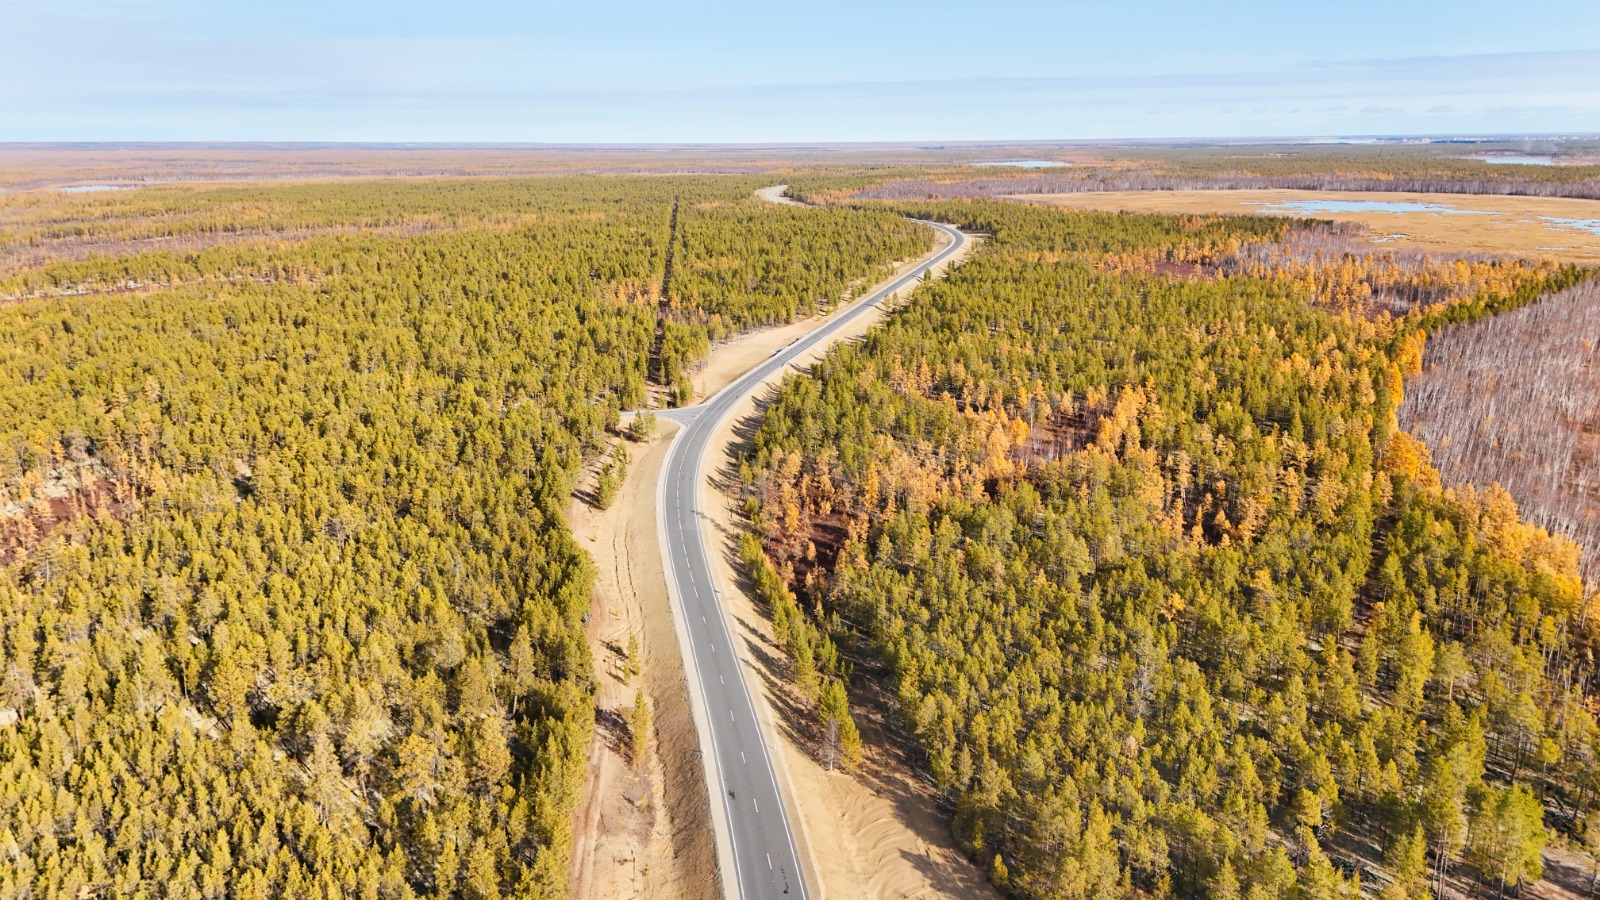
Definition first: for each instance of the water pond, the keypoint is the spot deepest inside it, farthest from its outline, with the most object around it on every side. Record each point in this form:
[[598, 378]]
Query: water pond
[[1311, 207], [1590, 225], [1517, 160], [1024, 163]]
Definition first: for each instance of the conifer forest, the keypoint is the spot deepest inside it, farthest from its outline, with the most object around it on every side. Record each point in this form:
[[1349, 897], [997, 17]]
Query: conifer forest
[[1122, 519], [1228, 557], [290, 607]]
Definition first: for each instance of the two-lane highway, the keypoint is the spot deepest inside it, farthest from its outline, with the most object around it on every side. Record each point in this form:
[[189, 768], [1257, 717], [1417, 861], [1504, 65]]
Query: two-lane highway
[[753, 832]]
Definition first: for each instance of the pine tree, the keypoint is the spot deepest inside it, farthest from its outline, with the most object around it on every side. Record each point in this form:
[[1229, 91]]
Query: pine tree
[[1508, 836], [640, 725]]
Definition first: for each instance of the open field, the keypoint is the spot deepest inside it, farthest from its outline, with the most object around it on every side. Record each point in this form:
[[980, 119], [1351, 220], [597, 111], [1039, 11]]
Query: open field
[[1521, 226], [30, 167], [949, 165]]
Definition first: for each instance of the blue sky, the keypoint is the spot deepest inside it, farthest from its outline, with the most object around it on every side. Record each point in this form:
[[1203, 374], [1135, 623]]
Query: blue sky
[[824, 70]]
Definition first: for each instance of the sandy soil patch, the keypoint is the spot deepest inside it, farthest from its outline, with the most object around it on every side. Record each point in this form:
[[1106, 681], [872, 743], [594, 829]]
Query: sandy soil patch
[[641, 831], [1567, 876], [774, 194], [1518, 226], [878, 833]]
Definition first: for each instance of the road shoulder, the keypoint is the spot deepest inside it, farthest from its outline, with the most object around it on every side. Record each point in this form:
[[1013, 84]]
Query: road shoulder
[[640, 831]]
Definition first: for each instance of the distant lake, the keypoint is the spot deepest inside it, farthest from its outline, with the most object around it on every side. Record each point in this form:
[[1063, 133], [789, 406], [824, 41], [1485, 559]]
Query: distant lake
[[1306, 207], [1517, 160], [1590, 225], [89, 188], [1024, 163]]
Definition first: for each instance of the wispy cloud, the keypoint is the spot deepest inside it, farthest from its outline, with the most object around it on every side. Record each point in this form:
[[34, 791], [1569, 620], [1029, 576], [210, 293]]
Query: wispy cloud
[[181, 69]]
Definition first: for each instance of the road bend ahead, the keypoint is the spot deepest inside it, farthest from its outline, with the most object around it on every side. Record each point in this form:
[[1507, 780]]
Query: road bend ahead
[[754, 837]]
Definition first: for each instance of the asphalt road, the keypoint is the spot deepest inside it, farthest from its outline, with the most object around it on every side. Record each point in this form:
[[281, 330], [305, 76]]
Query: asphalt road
[[745, 791]]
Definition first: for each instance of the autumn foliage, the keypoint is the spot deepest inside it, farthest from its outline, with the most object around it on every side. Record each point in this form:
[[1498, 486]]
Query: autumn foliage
[[1168, 603]]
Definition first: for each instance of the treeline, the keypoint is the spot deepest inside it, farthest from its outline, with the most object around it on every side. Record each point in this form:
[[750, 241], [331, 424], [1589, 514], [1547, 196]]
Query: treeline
[[1169, 603], [1514, 400], [56, 222], [1347, 275], [1450, 161], [720, 288], [1584, 184], [158, 237], [248, 227], [299, 613], [1428, 170], [730, 277]]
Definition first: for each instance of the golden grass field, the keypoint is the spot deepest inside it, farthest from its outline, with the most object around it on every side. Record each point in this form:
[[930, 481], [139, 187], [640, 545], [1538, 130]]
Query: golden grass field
[[1518, 226]]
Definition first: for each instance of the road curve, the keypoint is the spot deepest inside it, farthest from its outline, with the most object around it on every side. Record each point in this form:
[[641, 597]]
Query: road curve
[[756, 848]]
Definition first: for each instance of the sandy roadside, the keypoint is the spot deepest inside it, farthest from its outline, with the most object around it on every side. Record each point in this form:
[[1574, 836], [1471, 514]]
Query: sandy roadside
[[875, 834], [1561, 227], [641, 831]]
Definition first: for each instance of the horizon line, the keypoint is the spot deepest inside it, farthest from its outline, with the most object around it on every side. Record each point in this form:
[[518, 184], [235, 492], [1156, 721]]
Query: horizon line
[[929, 144]]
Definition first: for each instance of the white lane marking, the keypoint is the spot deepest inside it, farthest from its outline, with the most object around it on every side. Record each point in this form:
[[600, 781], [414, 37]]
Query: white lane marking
[[769, 860], [742, 759], [757, 803], [730, 716]]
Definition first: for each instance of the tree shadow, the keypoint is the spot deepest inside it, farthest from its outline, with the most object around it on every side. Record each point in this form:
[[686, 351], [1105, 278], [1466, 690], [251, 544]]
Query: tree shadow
[[725, 477], [612, 727], [617, 662], [947, 880], [1568, 871]]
